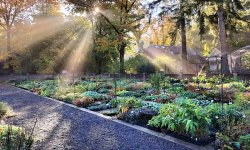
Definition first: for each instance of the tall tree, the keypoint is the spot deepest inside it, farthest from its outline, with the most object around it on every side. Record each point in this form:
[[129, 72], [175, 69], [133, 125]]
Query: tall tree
[[125, 17], [9, 12], [179, 11], [226, 15], [104, 52]]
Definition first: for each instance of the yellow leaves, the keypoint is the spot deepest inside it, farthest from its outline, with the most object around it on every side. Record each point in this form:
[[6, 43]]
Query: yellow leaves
[[54, 11], [124, 109], [206, 49], [159, 31], [105, 43], [1, 130]]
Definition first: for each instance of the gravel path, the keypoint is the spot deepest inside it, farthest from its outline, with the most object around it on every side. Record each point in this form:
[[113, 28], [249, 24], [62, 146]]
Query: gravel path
[[63, 127]]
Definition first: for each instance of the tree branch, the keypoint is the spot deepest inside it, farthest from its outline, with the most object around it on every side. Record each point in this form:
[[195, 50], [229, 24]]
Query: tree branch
[[113, 26]]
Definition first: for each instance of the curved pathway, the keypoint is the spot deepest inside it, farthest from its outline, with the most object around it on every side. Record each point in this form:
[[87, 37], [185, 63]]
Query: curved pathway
[[60, 126]]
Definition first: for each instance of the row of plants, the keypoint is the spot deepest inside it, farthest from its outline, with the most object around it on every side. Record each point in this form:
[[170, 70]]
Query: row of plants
[[189, 109]]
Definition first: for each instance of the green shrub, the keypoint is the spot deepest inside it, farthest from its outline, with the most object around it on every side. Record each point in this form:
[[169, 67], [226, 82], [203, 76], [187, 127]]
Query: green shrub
[[4, 109], [48, 92], [200, 78], [213, 94], [102, 106], [188, 94], [28, 85], [96, 96], [104, 91], [68, 97], [237, 86], [87, 86], [130, 93], [159, 98], [126, 103], [139, 64], [150, 97], [243, 99], [245, 141], [183, 116], [153, 105], [214, 79], [106, 85], [79, 88], [232, 115], [155, 80], [13, 138], [176, 89]]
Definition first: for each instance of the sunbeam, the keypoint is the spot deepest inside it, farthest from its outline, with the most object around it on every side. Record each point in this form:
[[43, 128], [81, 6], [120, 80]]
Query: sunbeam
[[173, 63], [77, 58], [39, 30]]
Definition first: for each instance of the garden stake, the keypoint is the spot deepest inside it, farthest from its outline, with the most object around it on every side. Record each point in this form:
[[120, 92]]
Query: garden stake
[[222, 96], [115, 88], [74, 84]]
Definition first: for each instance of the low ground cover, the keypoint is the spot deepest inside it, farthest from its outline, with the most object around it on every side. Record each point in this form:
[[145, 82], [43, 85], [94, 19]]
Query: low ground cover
[[189, 109], [12, 137]]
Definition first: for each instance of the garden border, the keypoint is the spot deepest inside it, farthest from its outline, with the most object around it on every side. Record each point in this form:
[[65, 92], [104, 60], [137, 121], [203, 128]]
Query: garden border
[[142, 129]]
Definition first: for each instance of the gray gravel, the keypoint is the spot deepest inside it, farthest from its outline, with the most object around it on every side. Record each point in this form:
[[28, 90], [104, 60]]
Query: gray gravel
[[63, 127]]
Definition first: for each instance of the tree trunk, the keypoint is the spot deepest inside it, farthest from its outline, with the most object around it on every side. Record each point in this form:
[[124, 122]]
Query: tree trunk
[[122, 54], [8, 30], [99, 66], [183, 40], [8, 46], [222, 32], [183, 45]]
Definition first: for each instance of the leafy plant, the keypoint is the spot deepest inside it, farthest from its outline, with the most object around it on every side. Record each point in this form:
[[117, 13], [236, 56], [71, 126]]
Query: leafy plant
[[153, 105], [4, 109], [159, 98], [223, 142], [69, 97], [183, 116], [130, 93], [104, 91], [102, 106], [188, 94], [15, 138], [245, 141], [232, 115], [155, 80], [200, 78], [127, 103], [237, 86], [176, 89], [243, 99], [214, 79], [96, 96]]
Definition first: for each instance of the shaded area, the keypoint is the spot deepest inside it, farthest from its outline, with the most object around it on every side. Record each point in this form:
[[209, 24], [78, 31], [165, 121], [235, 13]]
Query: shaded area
[[62, 127]]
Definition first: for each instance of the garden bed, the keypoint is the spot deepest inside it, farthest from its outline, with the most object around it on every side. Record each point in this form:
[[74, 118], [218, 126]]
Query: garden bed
[[151, 103]]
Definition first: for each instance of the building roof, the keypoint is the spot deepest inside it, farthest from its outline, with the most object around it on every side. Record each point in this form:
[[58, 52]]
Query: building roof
[[215, 53], [242, 50], [194, 55]]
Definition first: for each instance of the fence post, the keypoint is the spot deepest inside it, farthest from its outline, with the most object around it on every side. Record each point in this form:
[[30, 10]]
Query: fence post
[[144, 77]]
